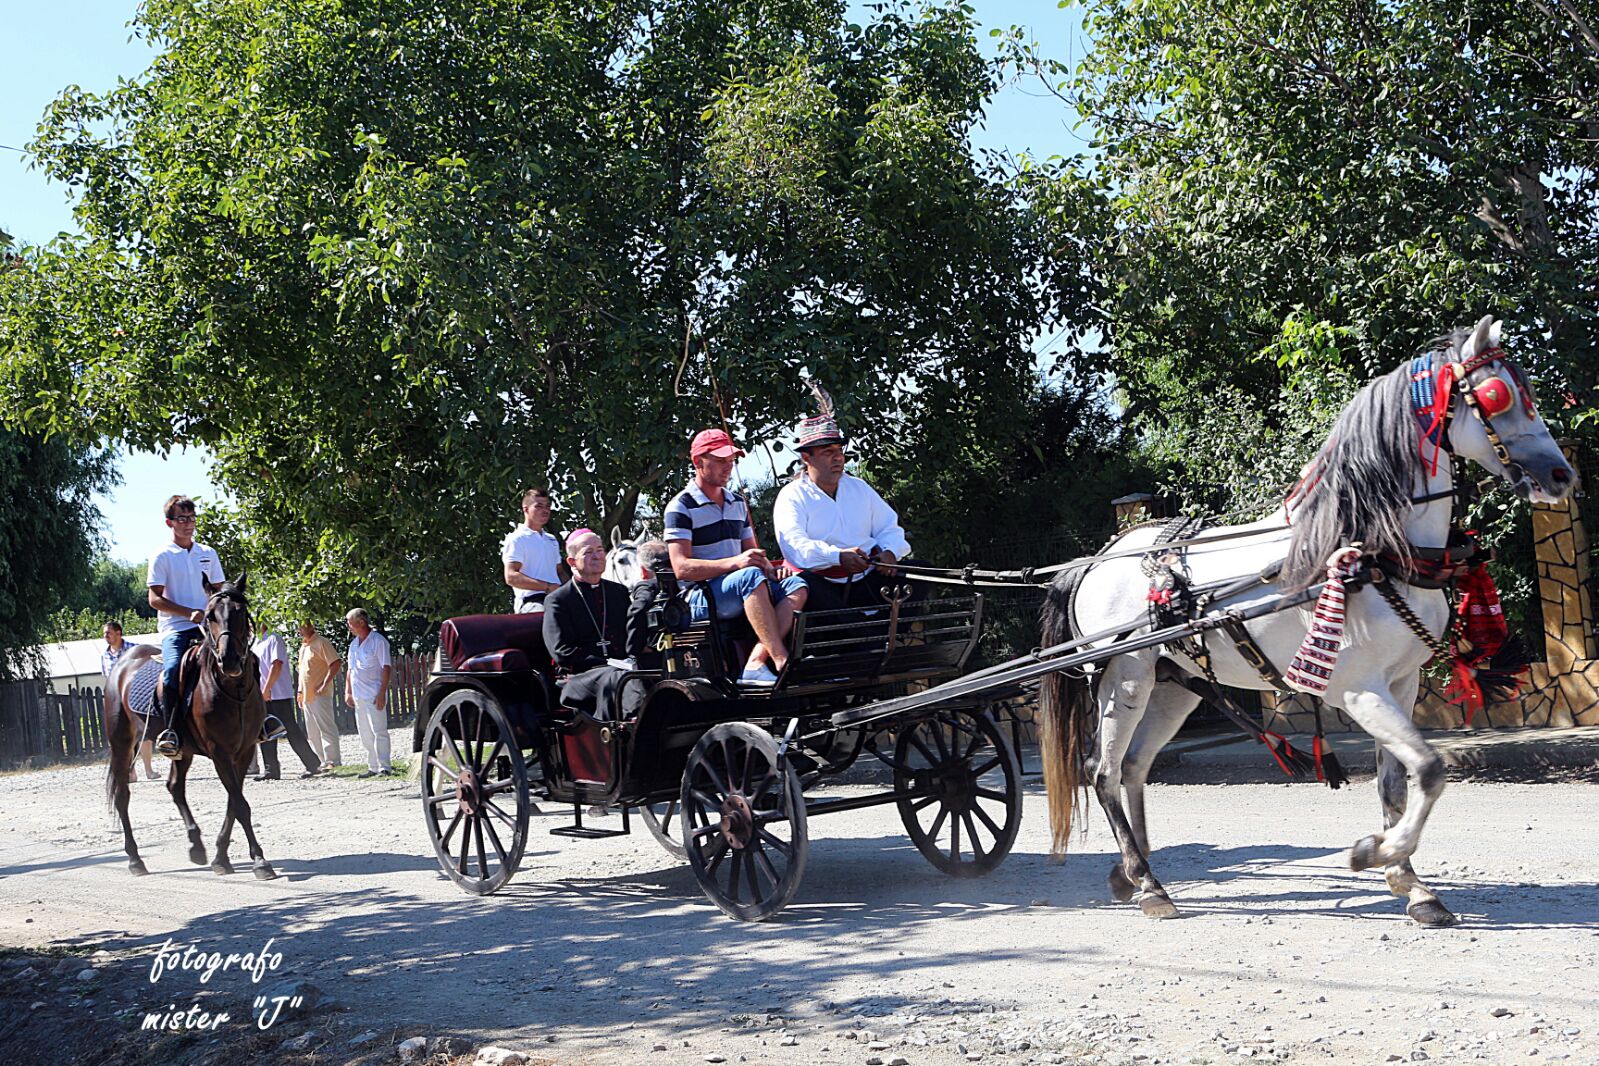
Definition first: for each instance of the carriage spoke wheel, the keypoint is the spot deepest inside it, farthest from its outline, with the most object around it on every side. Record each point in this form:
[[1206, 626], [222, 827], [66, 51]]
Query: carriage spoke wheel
[[474, 792], [665, 823], [960, 791], [743, 821]]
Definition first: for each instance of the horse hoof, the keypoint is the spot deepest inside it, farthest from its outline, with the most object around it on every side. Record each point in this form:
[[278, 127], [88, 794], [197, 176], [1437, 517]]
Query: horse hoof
[[1363, 856], [1158, 907], [136, 868], [1431, 913], [264, 871], [221, 868], [1121, 889], [197, 855]]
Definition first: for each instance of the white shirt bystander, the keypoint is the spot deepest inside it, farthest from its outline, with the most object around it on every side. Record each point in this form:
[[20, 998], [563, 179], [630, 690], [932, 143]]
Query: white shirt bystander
[[538, 552], [271, 649], [368, 657]]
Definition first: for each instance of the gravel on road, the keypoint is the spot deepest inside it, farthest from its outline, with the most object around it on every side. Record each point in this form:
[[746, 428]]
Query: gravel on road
[[605, 952]]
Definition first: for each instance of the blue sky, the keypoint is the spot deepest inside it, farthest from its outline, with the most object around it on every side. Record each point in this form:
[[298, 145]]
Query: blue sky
[[87, 43]]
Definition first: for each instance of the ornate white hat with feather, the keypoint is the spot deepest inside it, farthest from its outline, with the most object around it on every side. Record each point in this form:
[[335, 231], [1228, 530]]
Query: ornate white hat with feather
[[822, 428]]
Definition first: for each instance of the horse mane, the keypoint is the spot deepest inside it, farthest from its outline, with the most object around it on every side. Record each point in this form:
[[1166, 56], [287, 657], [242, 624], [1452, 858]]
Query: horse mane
[[1359, 486]]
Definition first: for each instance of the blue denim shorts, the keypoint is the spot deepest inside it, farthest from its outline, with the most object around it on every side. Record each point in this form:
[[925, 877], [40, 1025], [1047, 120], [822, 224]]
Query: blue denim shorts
[[731, 590]]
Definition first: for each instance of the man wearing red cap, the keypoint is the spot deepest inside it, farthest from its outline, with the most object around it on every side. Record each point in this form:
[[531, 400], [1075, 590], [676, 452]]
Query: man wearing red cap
[[709, 539]]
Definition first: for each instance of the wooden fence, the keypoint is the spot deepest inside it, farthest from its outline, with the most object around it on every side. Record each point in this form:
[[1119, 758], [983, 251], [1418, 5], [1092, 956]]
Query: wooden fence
[[39, 728]]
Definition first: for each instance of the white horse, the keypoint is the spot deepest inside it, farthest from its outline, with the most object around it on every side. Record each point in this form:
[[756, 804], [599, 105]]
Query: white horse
[[1377, 482], [621, 561]]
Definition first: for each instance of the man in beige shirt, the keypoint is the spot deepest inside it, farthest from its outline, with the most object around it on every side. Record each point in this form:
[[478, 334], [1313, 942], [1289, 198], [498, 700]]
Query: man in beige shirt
[[319, 665]]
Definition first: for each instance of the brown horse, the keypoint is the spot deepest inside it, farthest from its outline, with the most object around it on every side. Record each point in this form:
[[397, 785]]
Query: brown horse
[[224, 726]]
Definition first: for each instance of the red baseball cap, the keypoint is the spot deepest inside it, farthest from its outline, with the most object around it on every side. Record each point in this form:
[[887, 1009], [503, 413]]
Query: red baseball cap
[[713, 442]]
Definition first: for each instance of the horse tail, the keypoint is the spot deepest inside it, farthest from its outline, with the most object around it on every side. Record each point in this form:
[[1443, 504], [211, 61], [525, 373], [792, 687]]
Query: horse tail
[[1067, 714], [112, 708]]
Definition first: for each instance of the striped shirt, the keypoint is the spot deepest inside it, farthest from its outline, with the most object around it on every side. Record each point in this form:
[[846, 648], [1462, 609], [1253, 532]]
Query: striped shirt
[[712, 532]]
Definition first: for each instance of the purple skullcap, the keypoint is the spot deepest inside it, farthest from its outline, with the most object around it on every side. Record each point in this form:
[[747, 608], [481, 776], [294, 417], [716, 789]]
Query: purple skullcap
[[575, 534]]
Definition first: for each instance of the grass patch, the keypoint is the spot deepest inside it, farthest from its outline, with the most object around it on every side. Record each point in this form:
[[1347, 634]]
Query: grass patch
[[401, 764]]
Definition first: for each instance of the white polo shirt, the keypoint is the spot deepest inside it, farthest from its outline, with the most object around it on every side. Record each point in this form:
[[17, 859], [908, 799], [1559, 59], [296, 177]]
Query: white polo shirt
[[367, 659], [182, 574], [537, 551], [271, 649]]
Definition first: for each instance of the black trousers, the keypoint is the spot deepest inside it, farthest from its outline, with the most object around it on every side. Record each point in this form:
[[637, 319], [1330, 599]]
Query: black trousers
[[828, 595], [297, 739]]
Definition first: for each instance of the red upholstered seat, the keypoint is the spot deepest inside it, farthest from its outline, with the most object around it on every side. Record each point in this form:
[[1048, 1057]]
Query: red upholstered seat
[[498, 661], [479, 641]]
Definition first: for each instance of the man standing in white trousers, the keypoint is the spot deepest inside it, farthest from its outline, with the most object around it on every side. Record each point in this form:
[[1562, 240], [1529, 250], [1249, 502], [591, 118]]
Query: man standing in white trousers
[[366, 688]]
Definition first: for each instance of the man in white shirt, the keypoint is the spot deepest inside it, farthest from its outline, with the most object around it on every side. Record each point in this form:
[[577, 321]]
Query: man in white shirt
[[180, 580], [531, 556], [277, 689], [835, 528], [366, 688]]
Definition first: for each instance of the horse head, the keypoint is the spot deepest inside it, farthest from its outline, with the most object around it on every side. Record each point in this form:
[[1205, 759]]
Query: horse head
[[227, 627], [621, 562], [1495, 418]]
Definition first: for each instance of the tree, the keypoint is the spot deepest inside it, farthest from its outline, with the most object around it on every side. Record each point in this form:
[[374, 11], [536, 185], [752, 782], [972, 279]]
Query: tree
[[1394, 169], [394, 262], [47, 537], [112, 590], [1374, 174]]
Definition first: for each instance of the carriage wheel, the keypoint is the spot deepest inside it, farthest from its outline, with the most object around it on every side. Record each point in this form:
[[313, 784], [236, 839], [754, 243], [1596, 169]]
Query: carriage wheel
[[665, 824], [474, 792], [743, 821], [961, 791]]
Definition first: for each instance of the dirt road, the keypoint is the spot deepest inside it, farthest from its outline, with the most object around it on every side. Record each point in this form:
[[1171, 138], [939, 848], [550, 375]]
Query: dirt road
[[605, 952]]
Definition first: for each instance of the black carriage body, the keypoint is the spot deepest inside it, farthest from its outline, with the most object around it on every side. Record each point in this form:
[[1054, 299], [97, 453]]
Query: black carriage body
[[494, 669]]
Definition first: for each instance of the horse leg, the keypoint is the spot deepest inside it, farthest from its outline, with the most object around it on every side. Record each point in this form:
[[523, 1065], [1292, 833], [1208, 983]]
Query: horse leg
[[118, 772], [240, 808], [1423, 904], [178, 788], [1124, 691], [1378, 710], [1168, 708], [233, 783]]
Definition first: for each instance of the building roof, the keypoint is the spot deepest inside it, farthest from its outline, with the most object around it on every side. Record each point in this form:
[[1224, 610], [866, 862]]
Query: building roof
[[75, 658]]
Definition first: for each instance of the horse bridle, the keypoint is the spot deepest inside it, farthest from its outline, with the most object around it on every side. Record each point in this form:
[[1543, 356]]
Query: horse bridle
[[212, 641], [1432, 395]]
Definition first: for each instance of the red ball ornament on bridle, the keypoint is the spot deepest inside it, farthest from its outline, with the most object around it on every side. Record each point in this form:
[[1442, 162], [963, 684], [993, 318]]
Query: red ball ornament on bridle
[[1495, 396]]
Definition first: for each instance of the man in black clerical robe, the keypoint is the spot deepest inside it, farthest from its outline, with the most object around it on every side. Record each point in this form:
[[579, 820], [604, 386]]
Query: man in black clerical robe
[[585, 629]]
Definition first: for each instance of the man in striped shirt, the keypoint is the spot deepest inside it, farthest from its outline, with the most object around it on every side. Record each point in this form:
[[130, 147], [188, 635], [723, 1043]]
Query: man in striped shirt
[[709, 539]]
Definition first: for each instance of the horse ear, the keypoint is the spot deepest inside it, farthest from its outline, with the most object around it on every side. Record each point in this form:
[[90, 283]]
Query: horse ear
[[244, 576], [1495, 331], [1479, 340], [616, 537]]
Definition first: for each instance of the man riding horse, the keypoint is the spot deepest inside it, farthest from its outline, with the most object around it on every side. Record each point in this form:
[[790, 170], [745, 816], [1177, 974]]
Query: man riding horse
[[181, 576]]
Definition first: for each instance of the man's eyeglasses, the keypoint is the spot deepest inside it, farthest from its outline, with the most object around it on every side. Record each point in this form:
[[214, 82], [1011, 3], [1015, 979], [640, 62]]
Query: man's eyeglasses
[[184, 518]]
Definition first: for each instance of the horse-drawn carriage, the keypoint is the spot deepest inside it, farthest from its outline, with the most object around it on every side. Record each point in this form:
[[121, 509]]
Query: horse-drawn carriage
[[721, 773]]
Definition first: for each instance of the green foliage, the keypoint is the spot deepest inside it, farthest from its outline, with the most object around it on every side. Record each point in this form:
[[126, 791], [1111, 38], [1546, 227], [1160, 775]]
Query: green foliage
[[1383, 171], [1395, 168], [394, 262], [47, 536], [113, 591], [1235, 454]]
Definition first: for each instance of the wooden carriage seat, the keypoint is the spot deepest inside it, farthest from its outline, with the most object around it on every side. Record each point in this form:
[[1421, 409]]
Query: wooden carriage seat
[[495, 642]]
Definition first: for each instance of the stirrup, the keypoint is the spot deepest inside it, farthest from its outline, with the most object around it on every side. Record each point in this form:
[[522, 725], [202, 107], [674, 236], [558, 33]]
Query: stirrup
[[167, 744], [272, 728]]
